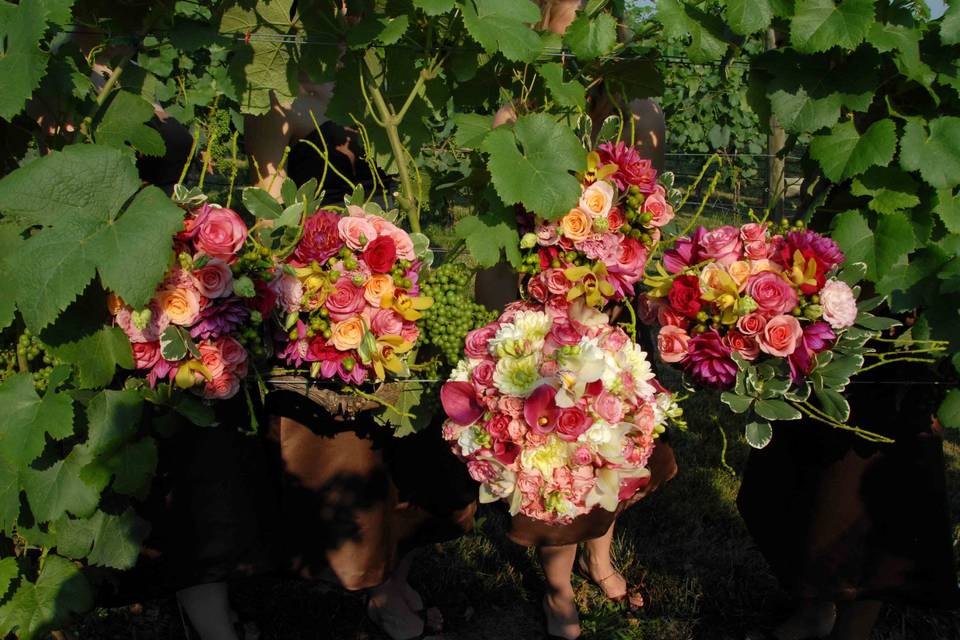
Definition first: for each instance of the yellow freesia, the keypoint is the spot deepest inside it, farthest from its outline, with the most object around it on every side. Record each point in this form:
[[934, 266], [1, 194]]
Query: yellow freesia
[[589, 282], [409, 307]]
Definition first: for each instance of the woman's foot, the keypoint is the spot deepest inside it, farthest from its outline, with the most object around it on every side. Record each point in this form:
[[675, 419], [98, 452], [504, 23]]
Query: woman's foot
[[809, 620], [563, 621], [390, 612], [603, 574]]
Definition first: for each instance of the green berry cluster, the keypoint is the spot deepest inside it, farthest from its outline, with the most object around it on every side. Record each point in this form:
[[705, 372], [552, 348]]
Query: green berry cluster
[[454, 312], [638, 221], [31, 351]]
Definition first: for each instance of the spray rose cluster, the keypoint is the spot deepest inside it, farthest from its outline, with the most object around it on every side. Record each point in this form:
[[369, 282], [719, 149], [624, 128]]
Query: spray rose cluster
[[599, 249], [348, 297], [554, 410], [195, 330], [742, 290]]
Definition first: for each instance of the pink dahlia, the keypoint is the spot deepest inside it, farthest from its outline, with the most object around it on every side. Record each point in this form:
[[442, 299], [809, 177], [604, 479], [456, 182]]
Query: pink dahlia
[[709, 362], [632, 170], [220, 319], [320, 241]]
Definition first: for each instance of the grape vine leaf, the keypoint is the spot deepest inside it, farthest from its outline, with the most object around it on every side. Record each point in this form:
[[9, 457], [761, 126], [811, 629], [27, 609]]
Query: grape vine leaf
[[27, 419], [947, 206], [38, 608], [950, 27], [59, 12], [855, 237], [472, 128], [383, 29], [893, 239], [414, 418], [589, 38], [9, 494], [59, 488], [80, 197], [114, 417], [104, 539], [97, 356], [888, 188], [937, 155], [748, 16], [705, 31], [434, 7], [949, 411], [820, 25], [565, 93], [485, 235], [537, 174], [10, 241], [132, 467], [503, 26], [124, 123], [22, 62], [8, 572], [844, 153]]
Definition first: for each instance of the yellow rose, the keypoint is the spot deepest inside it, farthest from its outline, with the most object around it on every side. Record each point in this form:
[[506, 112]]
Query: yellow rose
[[576, 225], [597, 199], [740, 272], [348, 334], [182, 306], [376, 287]]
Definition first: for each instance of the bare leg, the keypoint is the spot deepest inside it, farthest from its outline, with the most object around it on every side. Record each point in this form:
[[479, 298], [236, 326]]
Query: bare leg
[[855, 620], [597, 561], [207, 607], [389, 607], [558, 603], [811, 618]]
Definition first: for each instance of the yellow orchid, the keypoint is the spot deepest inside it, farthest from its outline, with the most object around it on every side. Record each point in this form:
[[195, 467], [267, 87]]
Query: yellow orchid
[[719, 287], [659, 284], [589, 282], [186, 377], [803, 272], [316, 282], [385, 356], [594, 171], [409, 307]]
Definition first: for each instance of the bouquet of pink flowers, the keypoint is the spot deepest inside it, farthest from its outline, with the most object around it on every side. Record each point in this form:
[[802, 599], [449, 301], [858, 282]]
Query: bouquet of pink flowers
[[554, 411], [349, 297], [194, 330], [597, 251], [765, 318]]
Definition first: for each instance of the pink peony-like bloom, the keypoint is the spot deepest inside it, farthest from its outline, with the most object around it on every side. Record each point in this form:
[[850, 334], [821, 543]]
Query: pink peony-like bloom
[[751, 324], [659, 209], [839, 304], [356, 232], [632, 170], [540, 409], [146, 354], [745, 345], [811, 244], [510, 405], [320, 241], [781, 336], [151, 331], [459, 400], [772, 293], [606, 248], [723, 244], [219, 232], [481, 471], [214, 279], [221, 388], [673, 344], [709, 361], [289, 292], [345, 301], [609, 407]]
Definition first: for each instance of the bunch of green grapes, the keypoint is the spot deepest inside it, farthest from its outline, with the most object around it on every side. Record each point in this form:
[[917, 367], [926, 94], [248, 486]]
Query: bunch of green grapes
[[454, 312], [31, 351]]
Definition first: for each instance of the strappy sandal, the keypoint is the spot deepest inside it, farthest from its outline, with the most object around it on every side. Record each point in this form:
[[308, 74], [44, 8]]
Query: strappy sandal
[[632, 598]]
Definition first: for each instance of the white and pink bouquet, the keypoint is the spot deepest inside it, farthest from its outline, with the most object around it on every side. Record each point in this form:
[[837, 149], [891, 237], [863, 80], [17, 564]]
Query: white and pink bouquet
[[349, 295], [554, 411], [597, 251], [194, 330], [767, 318]]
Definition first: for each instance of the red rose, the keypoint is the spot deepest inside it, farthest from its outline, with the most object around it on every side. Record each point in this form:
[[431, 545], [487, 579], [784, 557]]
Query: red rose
[[380, 254], [685, 295]]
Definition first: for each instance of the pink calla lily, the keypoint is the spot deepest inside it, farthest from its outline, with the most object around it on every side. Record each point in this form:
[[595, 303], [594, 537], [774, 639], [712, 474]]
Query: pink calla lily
[[540, 410], [459, 400]]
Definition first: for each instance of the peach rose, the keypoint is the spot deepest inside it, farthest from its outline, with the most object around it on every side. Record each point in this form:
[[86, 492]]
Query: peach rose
[[376, 287], [597, 199], [222, 387], [740, 272], [751, 324], [657, 206], [220, 233], [356, 231], [214, 279], [212, 359], [181, 306], [759, 266], [576, 225], [672, 343], [348, 334], [780, 336]]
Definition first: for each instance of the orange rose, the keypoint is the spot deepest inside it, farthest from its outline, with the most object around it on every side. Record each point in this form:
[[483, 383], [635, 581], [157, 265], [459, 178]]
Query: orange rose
[[740, 272], [576, 225], [182, 306], [376, 287], [348, 334]]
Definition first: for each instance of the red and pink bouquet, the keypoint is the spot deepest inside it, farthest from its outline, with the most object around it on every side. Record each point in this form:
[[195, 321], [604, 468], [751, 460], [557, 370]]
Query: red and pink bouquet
[[554, 411], [194, 330], [766, 318], [350, 297], [597, 251]]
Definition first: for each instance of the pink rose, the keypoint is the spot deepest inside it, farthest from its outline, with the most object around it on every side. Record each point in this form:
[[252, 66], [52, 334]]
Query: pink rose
[[722, 244], [572, 423], [615, 219], [386, 322], [745, 345], [222, 387], [220, 233], [557, 307], [751, 324], [231, 351], [780, 336], [672, 343], [356, 232], [549, 369], [839, 304], [409, 332], [557, 282], [582, 456], [212, 359], [564, 333], [404, 243], [345, 301], [632, 258], [537, 288], [615, 340], [498, 425], [757, 250], [608, 407], [146, 354], [214, 279], [547, 234], [754, 232], [657, 206], [482, 375], [289, 292], [481, 470], [773, 294], [477, 342]]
